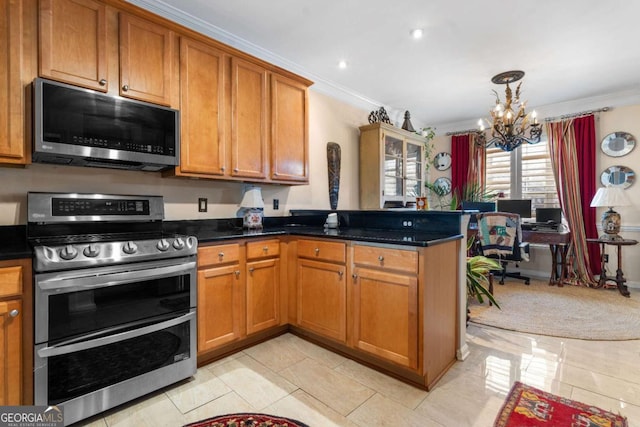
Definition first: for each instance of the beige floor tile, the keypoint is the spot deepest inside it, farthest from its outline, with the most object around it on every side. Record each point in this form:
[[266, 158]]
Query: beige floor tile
[[315, 352], [276, 354], [95, 421], [156, 411], [632, 412], [380, 411], [330, 387], [254, 382], [389, 387], [599, 383], [203, 387], [230, 403], [305, 408]]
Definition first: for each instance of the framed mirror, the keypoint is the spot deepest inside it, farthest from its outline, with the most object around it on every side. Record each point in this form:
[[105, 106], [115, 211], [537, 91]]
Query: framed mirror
[[618, 144], [618, 176], [442, 161], [443, 184]]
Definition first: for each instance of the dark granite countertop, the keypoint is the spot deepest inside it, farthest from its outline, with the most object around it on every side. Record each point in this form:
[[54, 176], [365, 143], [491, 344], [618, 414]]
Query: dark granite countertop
[[366, 226], [14, 242]]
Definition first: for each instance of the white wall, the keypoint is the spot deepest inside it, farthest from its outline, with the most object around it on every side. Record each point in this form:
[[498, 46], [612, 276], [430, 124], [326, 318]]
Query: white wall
[[330, 121]]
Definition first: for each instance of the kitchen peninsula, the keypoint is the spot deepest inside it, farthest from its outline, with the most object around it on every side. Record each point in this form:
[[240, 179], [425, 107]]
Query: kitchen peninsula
[[383, 288]]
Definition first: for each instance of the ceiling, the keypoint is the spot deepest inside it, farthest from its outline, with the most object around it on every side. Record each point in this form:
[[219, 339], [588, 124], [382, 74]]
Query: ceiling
[[577, 54]]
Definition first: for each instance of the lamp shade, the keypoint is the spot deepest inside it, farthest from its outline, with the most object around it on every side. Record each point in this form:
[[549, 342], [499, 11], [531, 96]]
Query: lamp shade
[[610, 197], [252, 198]]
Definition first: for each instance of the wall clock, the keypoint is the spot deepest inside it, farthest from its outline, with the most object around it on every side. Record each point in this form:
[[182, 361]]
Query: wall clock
[[442, 161], [618, 144]]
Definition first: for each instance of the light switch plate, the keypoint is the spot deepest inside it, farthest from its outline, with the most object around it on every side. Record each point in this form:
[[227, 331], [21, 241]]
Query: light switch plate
[[202, 204]]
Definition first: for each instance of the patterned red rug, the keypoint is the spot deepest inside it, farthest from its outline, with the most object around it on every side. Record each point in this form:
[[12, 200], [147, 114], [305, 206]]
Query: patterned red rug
[[529, 407], [247, 420]]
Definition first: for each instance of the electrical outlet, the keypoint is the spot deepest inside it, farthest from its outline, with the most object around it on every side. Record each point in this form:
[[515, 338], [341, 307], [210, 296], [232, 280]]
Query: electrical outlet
[[605, 257], [202, 204], [276, 204]]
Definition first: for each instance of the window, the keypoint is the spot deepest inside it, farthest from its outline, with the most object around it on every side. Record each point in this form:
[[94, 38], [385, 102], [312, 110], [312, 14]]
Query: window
[[524, 173]]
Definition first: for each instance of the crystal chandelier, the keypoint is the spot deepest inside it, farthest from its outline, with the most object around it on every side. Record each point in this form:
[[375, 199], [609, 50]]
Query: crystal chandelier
[[509, 121]]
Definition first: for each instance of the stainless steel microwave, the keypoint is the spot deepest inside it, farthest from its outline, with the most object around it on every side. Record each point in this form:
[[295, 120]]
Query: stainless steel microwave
[[82, 127]]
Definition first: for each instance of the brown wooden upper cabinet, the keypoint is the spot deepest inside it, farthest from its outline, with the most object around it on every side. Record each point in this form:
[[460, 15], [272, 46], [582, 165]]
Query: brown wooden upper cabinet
[[86, 43], [16, 72]]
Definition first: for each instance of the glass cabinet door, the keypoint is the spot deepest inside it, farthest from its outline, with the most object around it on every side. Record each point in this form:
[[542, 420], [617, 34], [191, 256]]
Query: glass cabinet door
[[393, 168], [414, 171]]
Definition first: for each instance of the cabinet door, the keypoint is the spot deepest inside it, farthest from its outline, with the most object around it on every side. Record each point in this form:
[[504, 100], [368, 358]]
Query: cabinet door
[[14, 143], [73, 42], [322, 298], [146, 54], [289, 132], [393, 168], [10, 352], [220, 306], [263, 295], [248, 119], [385, 313], [202, 142], [414, 171]]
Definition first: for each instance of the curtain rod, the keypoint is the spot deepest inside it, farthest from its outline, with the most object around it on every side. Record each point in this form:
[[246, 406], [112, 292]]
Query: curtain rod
[[462, 132], [574, 115]]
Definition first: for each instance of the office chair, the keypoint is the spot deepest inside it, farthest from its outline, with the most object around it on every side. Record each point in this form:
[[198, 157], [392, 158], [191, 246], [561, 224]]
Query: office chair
[[499, 236]]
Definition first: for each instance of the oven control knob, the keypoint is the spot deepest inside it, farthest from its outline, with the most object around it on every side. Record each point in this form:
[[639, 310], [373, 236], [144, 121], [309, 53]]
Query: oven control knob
[[178, 243], [91, 251], [68, 252], [163, 245], [129, 248]]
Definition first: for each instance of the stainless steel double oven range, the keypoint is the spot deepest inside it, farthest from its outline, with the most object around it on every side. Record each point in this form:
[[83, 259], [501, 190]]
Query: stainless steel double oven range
[[115, 300]]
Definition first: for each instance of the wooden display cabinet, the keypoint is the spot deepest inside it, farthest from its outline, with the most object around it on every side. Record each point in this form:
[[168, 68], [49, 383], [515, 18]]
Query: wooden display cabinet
[[392, 166]]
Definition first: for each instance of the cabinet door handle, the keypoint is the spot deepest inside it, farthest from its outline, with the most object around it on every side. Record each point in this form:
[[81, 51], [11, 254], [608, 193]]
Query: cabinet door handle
[[340, 273], [235, 169], [354, 275], [14, 313], [125, 88], [265, 249], [317, 251], [237, 273], [251, 269], [221, 255], [380, 258], [222, 169], [102, 82]]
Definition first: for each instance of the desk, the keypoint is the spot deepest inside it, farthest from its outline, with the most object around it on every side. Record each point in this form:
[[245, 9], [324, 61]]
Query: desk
[[558, 245], [619, 279]]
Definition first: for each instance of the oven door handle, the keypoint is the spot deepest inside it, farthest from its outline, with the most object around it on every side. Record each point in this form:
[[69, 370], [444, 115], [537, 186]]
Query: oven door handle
[[113, 278], [62, 348]]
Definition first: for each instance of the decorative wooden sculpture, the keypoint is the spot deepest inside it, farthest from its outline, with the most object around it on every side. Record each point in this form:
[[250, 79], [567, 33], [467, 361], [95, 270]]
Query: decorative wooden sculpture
[[333, 168]]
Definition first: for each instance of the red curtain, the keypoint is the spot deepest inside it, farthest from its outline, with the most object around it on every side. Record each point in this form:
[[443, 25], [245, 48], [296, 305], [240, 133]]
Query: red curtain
[[585, 134], [459, 162]]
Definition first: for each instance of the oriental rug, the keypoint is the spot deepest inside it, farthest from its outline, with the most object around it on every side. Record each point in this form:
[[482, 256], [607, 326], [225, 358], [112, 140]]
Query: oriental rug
[[528, 406], [247, 420]]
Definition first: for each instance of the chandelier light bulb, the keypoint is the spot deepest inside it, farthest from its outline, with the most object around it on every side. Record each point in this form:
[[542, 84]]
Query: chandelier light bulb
[[534, 116], [417, 33]]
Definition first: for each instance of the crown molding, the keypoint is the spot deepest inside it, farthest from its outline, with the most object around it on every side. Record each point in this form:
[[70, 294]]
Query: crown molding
[[320, 85]]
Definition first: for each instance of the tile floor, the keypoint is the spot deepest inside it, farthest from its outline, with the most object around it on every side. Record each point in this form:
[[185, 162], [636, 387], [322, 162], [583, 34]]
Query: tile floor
[[291, 377]]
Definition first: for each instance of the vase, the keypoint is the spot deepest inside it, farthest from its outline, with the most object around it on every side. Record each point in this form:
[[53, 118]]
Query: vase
[[333, 169]]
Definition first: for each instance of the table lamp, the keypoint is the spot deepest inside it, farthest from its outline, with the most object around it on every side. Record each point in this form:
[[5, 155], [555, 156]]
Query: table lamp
[[253, 206], [609, 197]]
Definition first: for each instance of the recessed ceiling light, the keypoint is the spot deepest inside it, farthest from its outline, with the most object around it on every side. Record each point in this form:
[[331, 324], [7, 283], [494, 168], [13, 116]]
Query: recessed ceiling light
[[342, 64], [417, 33]]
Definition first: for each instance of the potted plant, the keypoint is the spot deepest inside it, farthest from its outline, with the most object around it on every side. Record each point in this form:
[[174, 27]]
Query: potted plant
[[479, 268]]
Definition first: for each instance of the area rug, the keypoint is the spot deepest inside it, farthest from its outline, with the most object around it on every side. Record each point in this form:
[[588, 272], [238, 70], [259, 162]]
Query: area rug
[[567, 312], [247, 420], [528, 406]]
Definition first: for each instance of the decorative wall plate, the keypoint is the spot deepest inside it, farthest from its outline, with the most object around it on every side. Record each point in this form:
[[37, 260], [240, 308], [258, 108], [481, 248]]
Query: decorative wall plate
[[442, 161], [618, 176], [618, 144], [444, 184]]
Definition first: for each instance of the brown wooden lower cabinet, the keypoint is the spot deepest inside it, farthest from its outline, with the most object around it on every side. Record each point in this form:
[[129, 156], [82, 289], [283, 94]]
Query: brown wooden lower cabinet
[[16, 336], [390, 307]]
